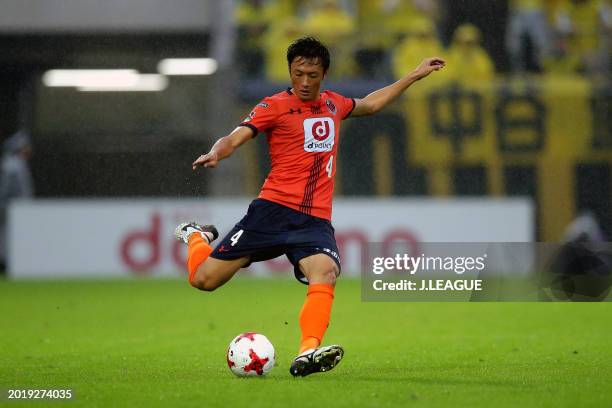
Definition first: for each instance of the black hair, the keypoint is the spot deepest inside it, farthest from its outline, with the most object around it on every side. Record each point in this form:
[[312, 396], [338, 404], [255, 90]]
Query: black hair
[[309, 48]]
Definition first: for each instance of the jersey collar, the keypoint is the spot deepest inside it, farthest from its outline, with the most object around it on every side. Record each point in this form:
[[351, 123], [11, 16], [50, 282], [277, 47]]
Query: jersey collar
[[315, 102]]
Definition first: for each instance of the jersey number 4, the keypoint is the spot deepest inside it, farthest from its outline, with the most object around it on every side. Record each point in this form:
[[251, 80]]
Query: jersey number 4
[[330, 166]]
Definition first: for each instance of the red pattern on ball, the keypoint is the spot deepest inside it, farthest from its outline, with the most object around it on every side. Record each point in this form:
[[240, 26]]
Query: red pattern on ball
[[256, 363]]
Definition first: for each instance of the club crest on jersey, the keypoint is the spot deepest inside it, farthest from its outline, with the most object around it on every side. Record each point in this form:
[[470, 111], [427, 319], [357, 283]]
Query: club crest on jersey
[[319, 134], [251, 116], [331, 106]]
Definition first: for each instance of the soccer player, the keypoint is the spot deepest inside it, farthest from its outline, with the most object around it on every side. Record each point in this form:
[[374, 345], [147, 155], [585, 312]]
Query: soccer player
[[292, 214]]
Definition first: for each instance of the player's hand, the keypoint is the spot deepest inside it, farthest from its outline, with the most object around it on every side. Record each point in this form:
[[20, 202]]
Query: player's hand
[[428, 65], [206, 160]]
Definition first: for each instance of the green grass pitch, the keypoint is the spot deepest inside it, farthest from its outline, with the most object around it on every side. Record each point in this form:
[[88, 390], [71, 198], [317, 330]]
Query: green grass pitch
[[161, 343]]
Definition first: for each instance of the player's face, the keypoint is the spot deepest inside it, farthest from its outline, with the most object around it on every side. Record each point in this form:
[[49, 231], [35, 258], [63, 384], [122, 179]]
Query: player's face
[[306, 77]]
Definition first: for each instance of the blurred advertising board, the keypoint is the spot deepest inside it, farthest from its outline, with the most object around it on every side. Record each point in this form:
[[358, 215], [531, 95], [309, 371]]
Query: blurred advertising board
[[97, 238]]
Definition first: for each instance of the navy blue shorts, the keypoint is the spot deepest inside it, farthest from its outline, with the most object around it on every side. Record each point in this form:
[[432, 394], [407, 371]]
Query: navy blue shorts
[[269, 230]]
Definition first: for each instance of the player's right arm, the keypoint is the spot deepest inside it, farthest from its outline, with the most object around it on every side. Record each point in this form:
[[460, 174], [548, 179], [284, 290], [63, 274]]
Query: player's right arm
[[224, 147], [262, 117]]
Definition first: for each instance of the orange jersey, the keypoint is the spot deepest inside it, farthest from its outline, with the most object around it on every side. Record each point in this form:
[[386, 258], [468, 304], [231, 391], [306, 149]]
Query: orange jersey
[[303, 142]]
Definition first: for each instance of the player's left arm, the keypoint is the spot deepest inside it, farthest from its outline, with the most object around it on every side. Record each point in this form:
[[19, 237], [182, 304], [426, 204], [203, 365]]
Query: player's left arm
[[377, 100]]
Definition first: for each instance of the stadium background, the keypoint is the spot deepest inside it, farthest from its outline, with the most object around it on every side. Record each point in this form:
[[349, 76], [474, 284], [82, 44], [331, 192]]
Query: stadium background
[[480, 128], [506, 145]]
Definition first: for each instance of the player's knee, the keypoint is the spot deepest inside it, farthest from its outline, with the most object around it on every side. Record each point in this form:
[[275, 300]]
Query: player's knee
[[329, 274], [335, 272], [330, 278], [203, 282], [320, 269]]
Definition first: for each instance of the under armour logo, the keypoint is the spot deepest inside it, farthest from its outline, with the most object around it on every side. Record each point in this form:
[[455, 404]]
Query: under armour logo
[[292, 111]]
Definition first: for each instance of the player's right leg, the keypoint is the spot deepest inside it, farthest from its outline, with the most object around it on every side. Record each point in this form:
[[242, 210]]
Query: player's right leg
[[321, 271], [205, 273]]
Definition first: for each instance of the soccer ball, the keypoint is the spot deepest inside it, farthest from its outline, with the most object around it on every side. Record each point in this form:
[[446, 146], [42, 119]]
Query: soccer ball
[[250, 354]]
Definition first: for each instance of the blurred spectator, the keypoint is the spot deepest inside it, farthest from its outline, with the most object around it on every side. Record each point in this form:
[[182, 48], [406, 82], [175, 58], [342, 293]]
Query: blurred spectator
[[563, 60], [577, 28], [468, 62], [389, 21], [257, 12], [584, 228], [528, 35], [329, 21], [581, 269], [375, 39], [605, 36], [382, 23], [15, 181], [253, 18], [401, 15], [421, 42], [275, 42], [335, 27], [250, 29]]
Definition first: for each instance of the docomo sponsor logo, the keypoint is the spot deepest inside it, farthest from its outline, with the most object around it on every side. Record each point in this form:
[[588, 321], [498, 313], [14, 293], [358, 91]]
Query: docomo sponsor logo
[[148, 237], [319, 134], [320, 130], [324, 147], [142, 251]]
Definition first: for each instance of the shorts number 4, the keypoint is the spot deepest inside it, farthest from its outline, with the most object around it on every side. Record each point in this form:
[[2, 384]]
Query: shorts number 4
[[236, 237]]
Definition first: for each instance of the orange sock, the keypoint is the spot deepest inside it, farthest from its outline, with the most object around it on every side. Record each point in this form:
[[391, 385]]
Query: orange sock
[[315, 314], [199, 250]]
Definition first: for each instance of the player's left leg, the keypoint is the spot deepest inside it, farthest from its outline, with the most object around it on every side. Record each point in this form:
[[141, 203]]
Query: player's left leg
[[321, 271], [206, 273]]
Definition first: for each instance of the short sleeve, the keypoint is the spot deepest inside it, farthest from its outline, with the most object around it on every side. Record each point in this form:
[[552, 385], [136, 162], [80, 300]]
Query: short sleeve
[[262, 117], [345, 105], [349, 105]]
